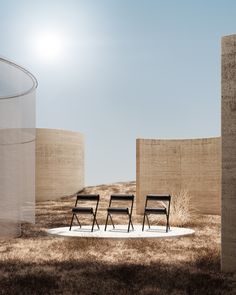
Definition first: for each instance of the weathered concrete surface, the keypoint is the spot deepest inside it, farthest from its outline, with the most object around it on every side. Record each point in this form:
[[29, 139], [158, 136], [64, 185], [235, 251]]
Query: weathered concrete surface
[[167, 166], [59, 163], [228, 234]]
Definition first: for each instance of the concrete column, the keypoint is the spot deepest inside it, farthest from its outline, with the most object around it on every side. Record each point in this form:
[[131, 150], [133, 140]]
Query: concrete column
[[228, 229]]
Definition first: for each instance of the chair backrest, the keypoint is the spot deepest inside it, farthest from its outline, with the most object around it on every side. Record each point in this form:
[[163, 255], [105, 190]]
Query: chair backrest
[[88, 197], [122, 197], [119, 197], [161, 198]]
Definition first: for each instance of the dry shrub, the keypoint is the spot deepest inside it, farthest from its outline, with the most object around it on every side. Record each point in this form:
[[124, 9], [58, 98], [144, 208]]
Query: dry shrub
[[180, 210]]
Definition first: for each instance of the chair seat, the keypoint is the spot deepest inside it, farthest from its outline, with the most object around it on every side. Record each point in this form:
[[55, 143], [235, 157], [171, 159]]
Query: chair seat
[[155, 210], [82, 210], [118, 210]]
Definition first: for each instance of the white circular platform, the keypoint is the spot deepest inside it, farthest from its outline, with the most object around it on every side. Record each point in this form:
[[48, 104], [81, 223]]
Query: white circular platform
[[121, 232]]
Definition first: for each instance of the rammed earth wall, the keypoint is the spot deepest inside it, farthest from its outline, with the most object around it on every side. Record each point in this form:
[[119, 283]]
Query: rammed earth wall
[[175, 166]]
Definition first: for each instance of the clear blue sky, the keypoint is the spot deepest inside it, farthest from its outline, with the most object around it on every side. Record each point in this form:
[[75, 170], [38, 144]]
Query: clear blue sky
[[129, 69]]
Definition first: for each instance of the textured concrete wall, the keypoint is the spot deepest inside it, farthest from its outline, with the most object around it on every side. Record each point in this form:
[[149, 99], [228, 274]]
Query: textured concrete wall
[[59, 163], [228, 253], [167, 166]]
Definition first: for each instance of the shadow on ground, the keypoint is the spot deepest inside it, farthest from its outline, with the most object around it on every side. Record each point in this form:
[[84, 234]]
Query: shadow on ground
[[92, 277]]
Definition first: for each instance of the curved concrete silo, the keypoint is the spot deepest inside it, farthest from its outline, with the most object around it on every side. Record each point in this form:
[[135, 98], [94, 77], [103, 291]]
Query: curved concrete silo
[[59, 163]]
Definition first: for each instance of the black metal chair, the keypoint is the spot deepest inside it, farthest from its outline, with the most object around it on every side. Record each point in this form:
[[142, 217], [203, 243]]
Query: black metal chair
[[85, 210], [120, 210], [163, 210]]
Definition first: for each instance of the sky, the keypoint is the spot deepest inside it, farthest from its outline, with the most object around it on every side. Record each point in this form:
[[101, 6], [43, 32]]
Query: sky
[[117, 70]]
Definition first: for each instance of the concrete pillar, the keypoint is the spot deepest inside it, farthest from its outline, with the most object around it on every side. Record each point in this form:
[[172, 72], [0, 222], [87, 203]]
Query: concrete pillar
[[228, 229]]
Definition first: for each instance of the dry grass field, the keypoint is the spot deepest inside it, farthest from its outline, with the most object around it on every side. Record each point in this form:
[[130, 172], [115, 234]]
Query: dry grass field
[[37, 263]]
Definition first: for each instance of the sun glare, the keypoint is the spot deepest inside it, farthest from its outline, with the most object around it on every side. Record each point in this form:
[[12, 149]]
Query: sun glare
[[49, 46]]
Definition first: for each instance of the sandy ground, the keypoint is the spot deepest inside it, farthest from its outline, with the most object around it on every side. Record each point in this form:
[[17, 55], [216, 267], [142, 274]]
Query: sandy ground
[[37, 263]]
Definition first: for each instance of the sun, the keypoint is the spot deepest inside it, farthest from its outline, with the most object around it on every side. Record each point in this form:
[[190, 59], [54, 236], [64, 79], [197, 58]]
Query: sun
[[49, 45]]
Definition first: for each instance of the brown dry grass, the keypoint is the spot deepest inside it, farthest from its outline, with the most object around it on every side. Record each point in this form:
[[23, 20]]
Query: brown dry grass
[[37, 263], [181, 212]]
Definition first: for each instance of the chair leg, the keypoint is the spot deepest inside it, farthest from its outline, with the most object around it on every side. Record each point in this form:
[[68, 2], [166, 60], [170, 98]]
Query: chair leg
[[148, 221], [78, 220], [71, 221], [129, 223], [106, 222], [167, 223], [143, 221], [97, 223], [112, 221], [94, 218]]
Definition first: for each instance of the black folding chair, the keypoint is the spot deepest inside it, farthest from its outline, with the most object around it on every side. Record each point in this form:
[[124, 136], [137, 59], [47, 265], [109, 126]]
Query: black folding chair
[[85, 210], [120, 210], [163, 210]]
